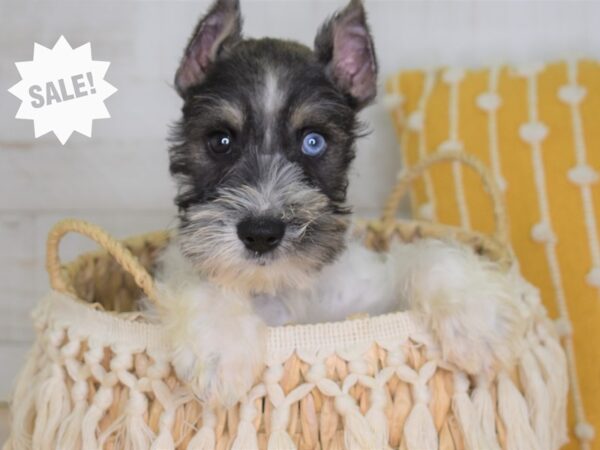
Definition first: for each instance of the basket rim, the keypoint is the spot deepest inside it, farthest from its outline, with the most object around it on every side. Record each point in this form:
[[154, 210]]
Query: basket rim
[[66, 311], [71, 311]]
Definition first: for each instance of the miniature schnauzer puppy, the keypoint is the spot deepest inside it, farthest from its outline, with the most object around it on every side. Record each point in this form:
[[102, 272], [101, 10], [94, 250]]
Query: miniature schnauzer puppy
[[261, 159]]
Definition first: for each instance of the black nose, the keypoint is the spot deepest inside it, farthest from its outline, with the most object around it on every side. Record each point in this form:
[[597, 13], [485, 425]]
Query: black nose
[[261, 234]]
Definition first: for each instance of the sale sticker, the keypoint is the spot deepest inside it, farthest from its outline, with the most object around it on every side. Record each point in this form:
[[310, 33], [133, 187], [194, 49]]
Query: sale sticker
[[62, 90]]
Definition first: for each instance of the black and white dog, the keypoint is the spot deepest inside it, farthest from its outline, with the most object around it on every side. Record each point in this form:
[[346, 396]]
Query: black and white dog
[[261, 159]]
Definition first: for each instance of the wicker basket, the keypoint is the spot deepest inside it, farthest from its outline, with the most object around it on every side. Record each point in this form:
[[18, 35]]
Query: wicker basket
[[99, 377]]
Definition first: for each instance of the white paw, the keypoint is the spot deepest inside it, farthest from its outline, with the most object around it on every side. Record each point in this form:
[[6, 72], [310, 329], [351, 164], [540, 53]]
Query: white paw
[[218, 342], [473, 309], [477, 342], [222, 371]]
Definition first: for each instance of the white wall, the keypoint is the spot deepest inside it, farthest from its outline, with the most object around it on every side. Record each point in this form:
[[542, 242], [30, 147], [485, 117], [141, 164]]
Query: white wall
[[119, 178]]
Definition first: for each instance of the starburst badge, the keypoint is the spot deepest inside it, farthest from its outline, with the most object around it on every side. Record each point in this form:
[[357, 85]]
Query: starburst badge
[[62, 90]]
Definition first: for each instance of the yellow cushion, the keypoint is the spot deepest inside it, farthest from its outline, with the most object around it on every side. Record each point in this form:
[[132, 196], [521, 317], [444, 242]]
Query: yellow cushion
[[538, 129]]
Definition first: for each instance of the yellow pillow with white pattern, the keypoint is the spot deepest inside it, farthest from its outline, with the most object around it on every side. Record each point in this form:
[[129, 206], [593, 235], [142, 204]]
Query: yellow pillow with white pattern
[[538, 128]]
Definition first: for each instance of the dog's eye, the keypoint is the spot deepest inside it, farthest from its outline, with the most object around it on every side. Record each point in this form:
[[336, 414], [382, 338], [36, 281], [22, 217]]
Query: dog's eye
[[313, 144], [220, 142]]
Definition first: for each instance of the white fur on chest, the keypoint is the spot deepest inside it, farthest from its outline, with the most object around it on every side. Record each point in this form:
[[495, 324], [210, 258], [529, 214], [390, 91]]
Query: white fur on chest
[[358, 282]]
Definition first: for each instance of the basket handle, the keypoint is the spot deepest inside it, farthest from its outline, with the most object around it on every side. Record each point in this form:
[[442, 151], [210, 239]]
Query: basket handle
[[409, 175], [122, 255]]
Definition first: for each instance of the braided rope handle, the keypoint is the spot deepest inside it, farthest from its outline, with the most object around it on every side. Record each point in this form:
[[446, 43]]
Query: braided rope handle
[[118, 251], [409, 175]]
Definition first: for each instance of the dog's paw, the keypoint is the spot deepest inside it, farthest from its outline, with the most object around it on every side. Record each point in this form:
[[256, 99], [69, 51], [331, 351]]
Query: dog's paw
[[478, 340], [217, 341], [472, 307], [220, 371]]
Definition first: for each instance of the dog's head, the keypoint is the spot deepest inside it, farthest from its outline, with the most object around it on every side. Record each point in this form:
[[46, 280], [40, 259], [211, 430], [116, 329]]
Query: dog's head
[[261, 155]]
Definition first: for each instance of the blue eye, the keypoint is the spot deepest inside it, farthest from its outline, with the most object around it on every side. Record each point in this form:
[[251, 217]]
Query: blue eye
[[313, 144]]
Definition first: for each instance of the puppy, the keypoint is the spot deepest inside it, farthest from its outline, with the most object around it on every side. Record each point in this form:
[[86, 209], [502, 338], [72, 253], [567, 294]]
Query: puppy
[[261, 159]]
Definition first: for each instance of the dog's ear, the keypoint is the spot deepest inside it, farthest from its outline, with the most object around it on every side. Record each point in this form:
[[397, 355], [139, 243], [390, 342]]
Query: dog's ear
[[344, 45], [217, 31]]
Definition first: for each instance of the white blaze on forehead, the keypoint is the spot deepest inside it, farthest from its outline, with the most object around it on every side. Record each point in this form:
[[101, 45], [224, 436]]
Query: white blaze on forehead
[[271, 94], [272, 98]]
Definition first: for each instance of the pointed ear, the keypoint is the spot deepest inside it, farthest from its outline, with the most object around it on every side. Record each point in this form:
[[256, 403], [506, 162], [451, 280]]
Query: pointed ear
[[344, 45], [218, 30]]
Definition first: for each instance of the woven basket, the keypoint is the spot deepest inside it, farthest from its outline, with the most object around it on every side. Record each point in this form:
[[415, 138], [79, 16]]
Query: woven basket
[[100, 377]]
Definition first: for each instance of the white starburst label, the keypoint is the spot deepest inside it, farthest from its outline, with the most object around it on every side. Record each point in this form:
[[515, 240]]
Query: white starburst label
[[62, 90]]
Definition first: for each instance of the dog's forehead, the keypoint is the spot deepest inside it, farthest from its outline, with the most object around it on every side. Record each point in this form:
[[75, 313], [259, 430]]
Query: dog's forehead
[[259, 78]]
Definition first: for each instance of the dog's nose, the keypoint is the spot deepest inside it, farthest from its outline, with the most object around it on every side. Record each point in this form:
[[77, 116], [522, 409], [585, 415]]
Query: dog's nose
[[261, 234]]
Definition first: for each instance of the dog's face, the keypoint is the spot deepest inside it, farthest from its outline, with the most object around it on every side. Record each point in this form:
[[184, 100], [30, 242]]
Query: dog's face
[[261, 155]]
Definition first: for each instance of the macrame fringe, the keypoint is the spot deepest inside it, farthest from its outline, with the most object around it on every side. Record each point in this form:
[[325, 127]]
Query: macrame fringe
[[280, 440], [537, 396], [553, 365], [357, 431], [485, 413], [204, 440], [465, 414], [89, 425], [137, 435], [419, 429], [69, 433], [164, 441], [513, 412], [23, 401], [52, 405], [130, 431], [116, 431], [246, 438], [378, 423], [23, 420]]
